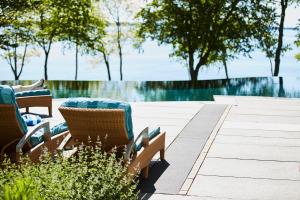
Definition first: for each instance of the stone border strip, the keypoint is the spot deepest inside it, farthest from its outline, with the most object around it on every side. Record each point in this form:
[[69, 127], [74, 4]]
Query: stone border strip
[[193, 173], [168, 177]]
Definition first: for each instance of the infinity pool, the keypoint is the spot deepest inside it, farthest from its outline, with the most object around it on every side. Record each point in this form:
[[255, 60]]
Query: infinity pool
[[174, 90]]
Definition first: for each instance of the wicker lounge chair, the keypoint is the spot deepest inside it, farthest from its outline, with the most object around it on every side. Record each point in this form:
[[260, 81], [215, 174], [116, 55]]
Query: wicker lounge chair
[[114, 129], [16, 137], [35, 98]]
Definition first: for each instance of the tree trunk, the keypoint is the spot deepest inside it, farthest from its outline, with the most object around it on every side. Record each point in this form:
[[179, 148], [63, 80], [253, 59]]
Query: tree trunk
[[280, 37], [46, 66], [271, 65], [107, 65], [23, 60], [194, 75], [120, 48], [281, 92], [16, 76], [226, 69], [76, 62], [16, 64]]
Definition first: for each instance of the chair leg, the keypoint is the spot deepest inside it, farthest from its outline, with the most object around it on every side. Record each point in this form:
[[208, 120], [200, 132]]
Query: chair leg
[[27, 109], [145, 172], [162, 154], [50, 111]]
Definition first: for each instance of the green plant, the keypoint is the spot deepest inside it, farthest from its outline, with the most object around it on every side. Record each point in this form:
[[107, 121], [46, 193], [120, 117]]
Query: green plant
[[90, 174], [21, 189]]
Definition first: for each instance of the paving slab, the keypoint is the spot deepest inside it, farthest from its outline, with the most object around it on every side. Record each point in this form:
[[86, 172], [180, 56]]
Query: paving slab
[[169, 176], [263, 119], [245, 188], [251, 168], [257, 152], [261, 126], [276, 142], [259, 133], [257, 111], [177, 197]]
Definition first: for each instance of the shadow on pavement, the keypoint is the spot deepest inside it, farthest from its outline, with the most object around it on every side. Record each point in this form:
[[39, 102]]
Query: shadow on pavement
[[147, 186]]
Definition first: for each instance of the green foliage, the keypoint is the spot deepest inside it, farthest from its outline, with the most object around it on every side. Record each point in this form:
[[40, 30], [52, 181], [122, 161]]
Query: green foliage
[[15, 36], [90, 174], [297, 42], [202, 31], [81, 20], [21, 189]]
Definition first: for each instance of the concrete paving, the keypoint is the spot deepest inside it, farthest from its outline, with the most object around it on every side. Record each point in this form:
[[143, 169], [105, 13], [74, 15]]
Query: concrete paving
[[255, 154]]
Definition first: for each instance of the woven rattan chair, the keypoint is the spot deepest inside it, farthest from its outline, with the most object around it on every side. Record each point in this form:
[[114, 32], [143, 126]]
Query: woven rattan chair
[[15, 135], [109, 126], [37, 98]]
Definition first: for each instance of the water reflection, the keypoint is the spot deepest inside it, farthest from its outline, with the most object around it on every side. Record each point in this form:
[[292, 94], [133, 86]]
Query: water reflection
[[172, 90]]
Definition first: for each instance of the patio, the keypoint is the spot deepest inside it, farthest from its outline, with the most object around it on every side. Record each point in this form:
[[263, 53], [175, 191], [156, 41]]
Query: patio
[[233, 148]]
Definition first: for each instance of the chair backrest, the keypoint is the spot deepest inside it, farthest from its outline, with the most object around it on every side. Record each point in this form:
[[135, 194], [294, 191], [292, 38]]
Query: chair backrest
[[106, 121], [104, 125], [12, 125]]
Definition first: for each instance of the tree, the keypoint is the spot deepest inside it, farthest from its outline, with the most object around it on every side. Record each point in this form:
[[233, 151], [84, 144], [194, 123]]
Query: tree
[[81, 22], [268, 45], [8, 11], [16, 33], [297, 42], [17, 39], [121, 13], [100, 45], [283, 6], [47, 27], [200, 31]]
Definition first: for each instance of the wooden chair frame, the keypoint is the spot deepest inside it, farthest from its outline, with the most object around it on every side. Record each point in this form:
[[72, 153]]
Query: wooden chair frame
[[108, 125], [14, 141], [35, 101]]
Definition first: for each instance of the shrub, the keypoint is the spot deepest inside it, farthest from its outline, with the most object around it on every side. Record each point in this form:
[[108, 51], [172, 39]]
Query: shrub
[[91, 174]]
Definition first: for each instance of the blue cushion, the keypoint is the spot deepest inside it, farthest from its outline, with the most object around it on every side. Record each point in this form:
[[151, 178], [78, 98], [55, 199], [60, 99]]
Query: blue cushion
[[38, 137], [31, 120], [151, 134], [62, 127], [104, 104], [33, 93], [7, 96]]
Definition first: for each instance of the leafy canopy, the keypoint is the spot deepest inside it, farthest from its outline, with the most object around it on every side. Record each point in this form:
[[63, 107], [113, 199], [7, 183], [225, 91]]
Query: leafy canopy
[[203, 29]]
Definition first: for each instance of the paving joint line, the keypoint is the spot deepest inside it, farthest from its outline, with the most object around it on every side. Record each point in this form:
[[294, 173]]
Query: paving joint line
[[248, 177]]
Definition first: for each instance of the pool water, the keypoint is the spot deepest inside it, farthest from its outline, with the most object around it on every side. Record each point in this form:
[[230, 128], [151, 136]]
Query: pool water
[[174, 90]]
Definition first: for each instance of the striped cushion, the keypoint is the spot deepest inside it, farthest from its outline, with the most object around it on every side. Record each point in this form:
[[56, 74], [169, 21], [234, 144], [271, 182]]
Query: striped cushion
[[104, 104], [7, 96], [38, 137], [62, 127], [31, 120], [33, 93]]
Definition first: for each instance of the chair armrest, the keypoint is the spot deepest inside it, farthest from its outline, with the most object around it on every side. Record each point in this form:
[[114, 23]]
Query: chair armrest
[[64, 142], [131, 145], [26, 137]]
